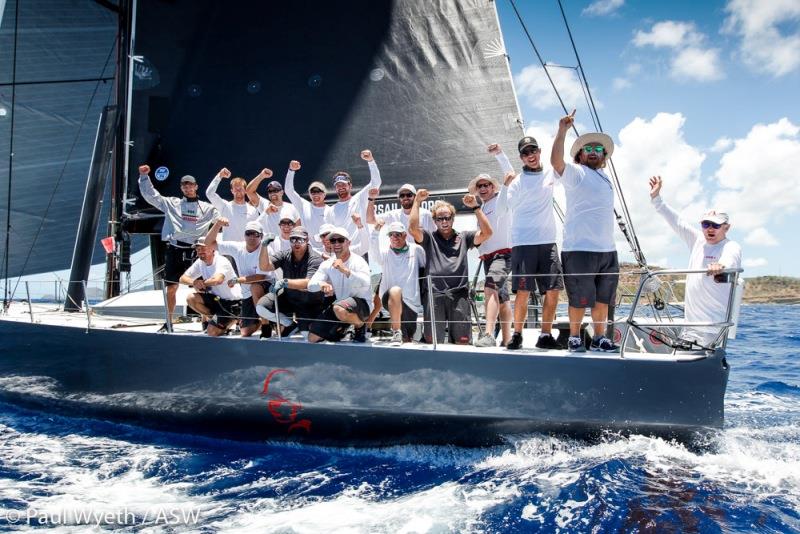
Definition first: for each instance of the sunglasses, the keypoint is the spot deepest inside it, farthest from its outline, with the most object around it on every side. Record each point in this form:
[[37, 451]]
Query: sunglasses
[[529, 151], [336, 240], [443, 219], [297, 239], [709, 224], [596, 148], [315, 191], [484, 185], [405, 195], [395, 234], [286, 223], [270, 191], [252, 233]]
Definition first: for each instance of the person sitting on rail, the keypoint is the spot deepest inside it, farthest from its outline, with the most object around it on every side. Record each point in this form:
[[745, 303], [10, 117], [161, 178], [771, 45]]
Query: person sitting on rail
[[185, 220], [589, 254], [399, 288], [312, 214], [346, 276], [217, 295], [446, 263], [273, 209], [238, 212], [341, 213], [706, 297], [250, 276], [297, 265]]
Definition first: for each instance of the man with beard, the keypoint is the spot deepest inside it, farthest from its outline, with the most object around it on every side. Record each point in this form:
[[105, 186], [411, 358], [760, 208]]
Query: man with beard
[[185, 220], [272, 209], [297, 265], [706, 299], [312, 214], [589, 255], [534, 254], [214, 296], [250, 276], [238, 212], [341, 213], [446, 263], [405, 195], [346, 277]]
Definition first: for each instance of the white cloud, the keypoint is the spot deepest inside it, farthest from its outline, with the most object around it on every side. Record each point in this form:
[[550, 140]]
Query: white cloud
[[754, 262], [620, 83], [768, 29], [533, 85], [669, 33], [722, 144], [758, 176], [760, 237], [697, 64], [602, 7]]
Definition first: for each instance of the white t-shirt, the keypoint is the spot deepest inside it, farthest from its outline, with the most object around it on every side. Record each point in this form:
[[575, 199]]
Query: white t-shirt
[[340, 214], [499, 219], [589, 217], [220, 264], [270, 221], [706, 300], [399, 215], [355, 285], [237, 214], [246, 262], [311, 216], [529, 198], [400, 270]]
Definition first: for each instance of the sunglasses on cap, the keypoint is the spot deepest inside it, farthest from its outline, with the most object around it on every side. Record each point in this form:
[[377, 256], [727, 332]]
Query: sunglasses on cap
[[297, 239], [336, 240], [594, 148], [709, 224], [405, 195], [529, 151], [252, 233], [443, 219]]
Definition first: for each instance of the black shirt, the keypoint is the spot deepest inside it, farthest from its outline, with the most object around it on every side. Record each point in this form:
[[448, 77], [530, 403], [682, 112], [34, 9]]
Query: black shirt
[[448, 257]]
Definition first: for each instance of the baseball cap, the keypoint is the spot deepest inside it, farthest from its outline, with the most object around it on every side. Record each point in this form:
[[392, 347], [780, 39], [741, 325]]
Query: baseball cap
[[318, 185], [299, 231], [526, 142], [253, 226], [274, 184], [341, 178], [407, 187], [396, 226], [716, 217], [188, 178], [200, 242], [325, 229], [338, 230]]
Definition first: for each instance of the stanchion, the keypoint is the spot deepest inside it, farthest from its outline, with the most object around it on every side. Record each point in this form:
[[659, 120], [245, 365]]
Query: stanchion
[[433, 312], [30, 306], [86, 305]]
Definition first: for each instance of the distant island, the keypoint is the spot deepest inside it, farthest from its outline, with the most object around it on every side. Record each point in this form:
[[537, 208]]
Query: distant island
[[772, 290]]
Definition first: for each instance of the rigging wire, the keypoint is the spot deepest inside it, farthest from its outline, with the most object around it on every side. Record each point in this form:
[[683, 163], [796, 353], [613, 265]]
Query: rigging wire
[[64, 167], [7, 247]]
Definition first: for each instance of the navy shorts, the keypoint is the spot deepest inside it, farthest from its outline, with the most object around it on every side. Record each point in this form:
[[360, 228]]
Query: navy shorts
[[539, 261], [600, 282], [497, 270], [176, 261]]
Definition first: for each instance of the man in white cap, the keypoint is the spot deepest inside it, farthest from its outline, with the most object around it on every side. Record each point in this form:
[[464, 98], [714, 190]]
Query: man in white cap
[[706, 296], [324, 231], [534, 253], [346, 277], [238, 211], [250, 276], [185, 220], [399, 289], [214, 296], [312, 214], [589, 254], [405, 196], [341, 213], [272, 209]]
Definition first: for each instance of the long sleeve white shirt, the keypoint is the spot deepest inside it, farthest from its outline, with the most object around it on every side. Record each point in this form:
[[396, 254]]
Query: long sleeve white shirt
[[355, 285], [340, 214], [311, 216], [238, 215]]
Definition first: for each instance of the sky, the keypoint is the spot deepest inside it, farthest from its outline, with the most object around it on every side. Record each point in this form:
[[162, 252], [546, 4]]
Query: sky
[[702, 93]]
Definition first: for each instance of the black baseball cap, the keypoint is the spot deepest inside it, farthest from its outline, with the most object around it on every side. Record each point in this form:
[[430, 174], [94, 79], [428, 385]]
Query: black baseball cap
[[526, 142]]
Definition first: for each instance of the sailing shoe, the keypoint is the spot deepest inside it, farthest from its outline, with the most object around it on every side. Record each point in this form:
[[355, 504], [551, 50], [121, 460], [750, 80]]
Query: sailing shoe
[[516, 341], [163, 329], [603, 344], [547, 342], [397, 338], [266, 331], [360, 334], [575, 344], [486, 340], [287, 331]]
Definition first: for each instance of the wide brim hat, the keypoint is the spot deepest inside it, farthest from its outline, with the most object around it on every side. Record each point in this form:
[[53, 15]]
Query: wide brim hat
[[593, 138], [473, 184]]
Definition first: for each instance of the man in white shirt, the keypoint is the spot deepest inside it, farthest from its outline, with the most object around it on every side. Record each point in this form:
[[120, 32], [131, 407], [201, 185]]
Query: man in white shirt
[[238, 212], [341, 213], [706, 296], [346, 277], [250, 276], [405, 196], [399, 289], [534, 253], [273, 208], [589, 254], [312, 214], [214, 297]]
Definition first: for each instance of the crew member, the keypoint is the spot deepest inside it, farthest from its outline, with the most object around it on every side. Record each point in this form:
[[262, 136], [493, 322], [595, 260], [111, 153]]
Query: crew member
[[238, 212], [405, 196], [312, 214], [272, 209]]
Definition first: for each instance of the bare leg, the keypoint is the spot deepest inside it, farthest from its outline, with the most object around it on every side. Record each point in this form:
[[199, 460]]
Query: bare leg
[[600, 318], [376, 309], [395, 307], [347, 317], [195, 302], [492, 303], [520, 310], [505, 321], [172, 291], [575, 320], [549, 310]]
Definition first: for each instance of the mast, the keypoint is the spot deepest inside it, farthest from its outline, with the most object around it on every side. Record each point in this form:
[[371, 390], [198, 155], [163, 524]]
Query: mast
[[7, 247]]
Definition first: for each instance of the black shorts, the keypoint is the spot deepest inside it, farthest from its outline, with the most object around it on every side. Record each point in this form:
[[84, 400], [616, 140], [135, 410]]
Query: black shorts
[[408, 318], [584, 291], [225, 311], [176, 261], [497, 270], [249, 315], [328, 326], [539, 260]]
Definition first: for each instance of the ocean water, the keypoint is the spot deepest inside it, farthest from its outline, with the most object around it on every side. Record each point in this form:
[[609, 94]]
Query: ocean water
[[82, 475]]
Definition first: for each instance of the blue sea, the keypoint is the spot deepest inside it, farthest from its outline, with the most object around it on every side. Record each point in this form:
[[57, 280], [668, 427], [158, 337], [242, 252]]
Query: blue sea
[[82, 475]]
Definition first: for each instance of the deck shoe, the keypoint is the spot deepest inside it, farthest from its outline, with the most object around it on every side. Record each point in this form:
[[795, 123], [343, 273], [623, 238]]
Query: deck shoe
[[266, 331], [547, 342], [575, 344], [603, 344], [163, 329], [516, 341], [397, 338], [203, 326], [360, 334], [287, 331], [486, 340]]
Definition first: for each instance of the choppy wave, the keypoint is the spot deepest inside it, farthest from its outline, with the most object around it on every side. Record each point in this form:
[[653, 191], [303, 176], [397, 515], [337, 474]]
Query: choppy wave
[[746, 478]]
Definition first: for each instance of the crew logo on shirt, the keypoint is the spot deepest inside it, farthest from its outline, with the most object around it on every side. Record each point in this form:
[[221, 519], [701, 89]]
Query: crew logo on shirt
[[189, 212]]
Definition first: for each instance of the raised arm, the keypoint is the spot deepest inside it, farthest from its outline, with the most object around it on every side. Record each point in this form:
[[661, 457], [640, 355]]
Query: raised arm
[[264, 260], [557, 152], [688, 233], [252, 188], [373, 195], [413, 218], [500, 156], [375, 249], [502, 197], [149, 192], [288, 186], [219, 224], [211, 190], [374, 180], [484, 228]]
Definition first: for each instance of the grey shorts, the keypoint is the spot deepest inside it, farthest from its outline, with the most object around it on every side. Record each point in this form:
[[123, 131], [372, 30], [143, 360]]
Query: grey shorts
[[539, 261], [497, 270], [600, 282], [408, 318]]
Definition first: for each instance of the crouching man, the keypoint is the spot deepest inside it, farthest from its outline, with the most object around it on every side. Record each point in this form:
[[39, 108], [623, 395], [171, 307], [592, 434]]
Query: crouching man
[[214, 298], [346, 277], [296, 265]]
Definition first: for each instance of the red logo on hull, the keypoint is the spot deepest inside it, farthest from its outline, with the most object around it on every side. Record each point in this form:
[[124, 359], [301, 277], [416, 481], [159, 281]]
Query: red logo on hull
[[283, 410]]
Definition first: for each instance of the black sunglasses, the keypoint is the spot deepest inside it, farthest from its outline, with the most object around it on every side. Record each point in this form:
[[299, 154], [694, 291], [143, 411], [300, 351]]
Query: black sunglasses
[[405, 195], [337, 240], [286, 223], [274, 191], [484, 185], [443, 219], [315, 191], [709, 224], [251, 233], [529, 151]]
